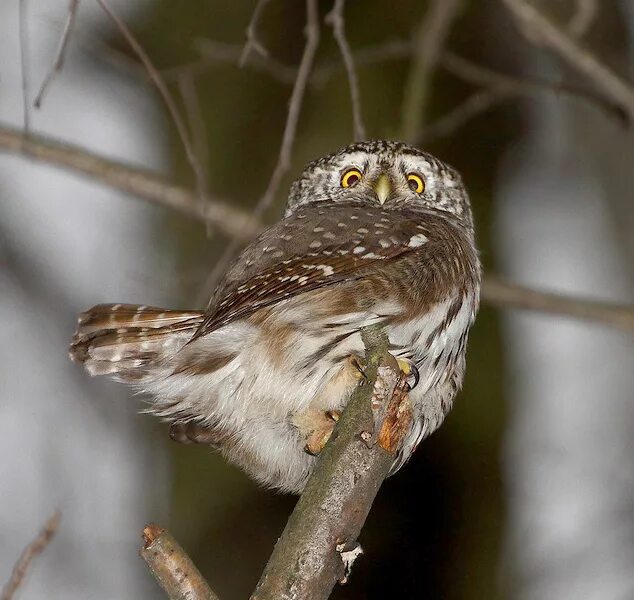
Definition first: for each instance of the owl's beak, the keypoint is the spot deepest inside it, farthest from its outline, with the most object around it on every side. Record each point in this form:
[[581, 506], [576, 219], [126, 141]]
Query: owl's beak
[[382, 188]]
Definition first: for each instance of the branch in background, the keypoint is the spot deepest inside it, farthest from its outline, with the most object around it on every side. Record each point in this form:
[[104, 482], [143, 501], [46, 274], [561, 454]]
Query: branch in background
[[502, 86], [253, 43], [172, 568], [335, 18], [58, 62], [294, 107], [24, 63], [449, 123], [32, 551], [288, 138], [585, 13], [321, 534], [476, 74], [135, 181], [428, 45], [157, 80], [540, 30], [237, 223], [499, 88], [196, 123], [507, 295]]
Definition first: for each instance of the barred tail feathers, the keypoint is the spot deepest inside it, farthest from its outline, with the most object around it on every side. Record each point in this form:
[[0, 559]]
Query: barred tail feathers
[[126, 341]]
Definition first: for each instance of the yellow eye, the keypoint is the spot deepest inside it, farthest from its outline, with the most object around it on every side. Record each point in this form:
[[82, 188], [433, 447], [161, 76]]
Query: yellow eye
[[416, 183], [350, 177]]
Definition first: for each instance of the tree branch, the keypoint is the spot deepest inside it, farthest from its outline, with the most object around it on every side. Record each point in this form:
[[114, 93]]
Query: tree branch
[[172, 567], [294, 106], [288, 137], [428, 45], [253, 43], [32, 551], [138, 182], [335, 18], [58, 61], [237, 223], [508, 295], [540, 30], [321, 534], [167, 98]]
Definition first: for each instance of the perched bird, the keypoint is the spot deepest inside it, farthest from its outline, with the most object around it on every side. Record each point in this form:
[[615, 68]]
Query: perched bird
[[377, 233]]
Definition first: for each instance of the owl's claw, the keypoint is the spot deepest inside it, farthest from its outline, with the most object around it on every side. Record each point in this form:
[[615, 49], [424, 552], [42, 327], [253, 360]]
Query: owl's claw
[[319, 437], [356, 366], [410, 371]]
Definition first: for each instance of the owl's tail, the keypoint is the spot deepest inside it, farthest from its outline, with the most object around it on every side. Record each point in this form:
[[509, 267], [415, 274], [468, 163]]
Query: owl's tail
[[128, 341]]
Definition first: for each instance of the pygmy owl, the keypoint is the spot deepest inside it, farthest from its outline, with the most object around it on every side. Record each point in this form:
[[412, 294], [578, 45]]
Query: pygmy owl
[[377, 233]]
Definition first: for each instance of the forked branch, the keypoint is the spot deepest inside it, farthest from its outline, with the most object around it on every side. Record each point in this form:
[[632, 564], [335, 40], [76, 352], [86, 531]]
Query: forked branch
[[319, 542]]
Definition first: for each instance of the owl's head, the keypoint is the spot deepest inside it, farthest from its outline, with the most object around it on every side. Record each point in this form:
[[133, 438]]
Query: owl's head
[[389, 174]]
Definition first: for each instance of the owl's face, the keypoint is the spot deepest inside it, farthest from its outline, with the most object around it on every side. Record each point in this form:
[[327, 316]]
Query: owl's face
[[388, 174]]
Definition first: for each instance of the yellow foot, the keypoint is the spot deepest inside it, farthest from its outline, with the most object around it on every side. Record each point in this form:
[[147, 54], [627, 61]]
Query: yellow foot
[[410, 371], [322, 426], [355, 366]]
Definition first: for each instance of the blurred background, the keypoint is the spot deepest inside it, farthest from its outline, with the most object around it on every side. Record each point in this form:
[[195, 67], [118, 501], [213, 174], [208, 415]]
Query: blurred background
[[527, 491]]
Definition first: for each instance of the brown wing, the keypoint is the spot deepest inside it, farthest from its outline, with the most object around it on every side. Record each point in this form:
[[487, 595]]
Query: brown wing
[[316, 246]]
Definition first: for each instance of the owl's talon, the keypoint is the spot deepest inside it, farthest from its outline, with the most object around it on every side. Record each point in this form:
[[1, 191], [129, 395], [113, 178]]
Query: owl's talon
[[410, 371], [318, 438], [335, 415], [356, 366]]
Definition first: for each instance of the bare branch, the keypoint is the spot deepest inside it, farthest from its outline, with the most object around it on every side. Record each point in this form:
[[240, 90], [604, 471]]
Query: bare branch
[[156, 78], [58, 62], [429, 41], [213, 52], [288, 138], [322, 531], [253, 43], [540, 30], [196, 122], [172, 567], [135, 181], [500, 88], [24, 63], [474, 105], [335, 18], [238, 224], [29, 554], [585, 14], [507, 295], [295, 106]]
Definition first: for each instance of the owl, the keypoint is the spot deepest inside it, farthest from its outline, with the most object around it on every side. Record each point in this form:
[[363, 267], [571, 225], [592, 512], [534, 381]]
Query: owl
[[378, 233]]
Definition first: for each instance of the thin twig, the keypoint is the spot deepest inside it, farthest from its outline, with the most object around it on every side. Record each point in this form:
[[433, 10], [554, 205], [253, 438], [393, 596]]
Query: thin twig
[[213, 52], [335, 18], [29, 554], [138, 182], [197, 125], [540, 30], [156, 78], [429, 41], [477, 74], [288, 138], [585, 13], [476, 104], [238, 224], [172, 567], [252, 42], [58, 62], [500, 88], [508, 295], [24, 63], [295, 106], [320, 536]]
